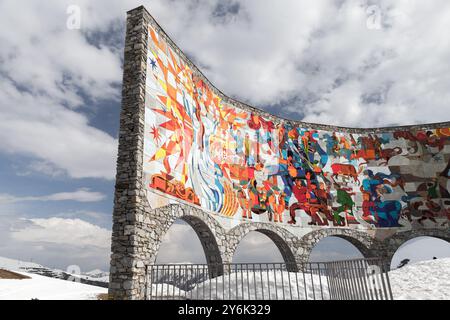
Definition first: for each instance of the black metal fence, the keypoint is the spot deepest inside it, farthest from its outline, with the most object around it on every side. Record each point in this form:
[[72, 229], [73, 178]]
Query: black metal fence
[[361, 279]]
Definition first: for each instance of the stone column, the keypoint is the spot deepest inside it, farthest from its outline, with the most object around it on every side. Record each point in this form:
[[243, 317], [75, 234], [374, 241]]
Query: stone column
[[130, 234]]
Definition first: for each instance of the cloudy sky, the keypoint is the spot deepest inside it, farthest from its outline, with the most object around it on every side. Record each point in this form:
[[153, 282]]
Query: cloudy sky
[[351, 63]]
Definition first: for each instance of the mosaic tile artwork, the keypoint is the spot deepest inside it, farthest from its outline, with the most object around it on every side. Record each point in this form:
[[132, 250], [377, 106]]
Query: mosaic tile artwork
[[243, 165]]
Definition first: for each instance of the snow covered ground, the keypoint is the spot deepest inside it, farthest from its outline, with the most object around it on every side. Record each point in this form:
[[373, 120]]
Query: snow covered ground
[[45, 288], [270, 286], [94, 277], [250, 286], [425, 280], [17, 265]]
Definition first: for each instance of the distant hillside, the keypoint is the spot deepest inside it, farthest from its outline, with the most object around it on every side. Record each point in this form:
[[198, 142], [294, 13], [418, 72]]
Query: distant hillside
[[33, 286], [95, 277]]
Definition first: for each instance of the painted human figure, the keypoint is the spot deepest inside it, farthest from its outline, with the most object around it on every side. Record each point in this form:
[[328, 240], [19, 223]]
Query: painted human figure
[[346, 202], [258, 198], [305, 141], [314, 206], [239, 144], [255, 124], [247, 149], [322, 208], [244, 204], [368, 207], [300, 192], [277, 205]]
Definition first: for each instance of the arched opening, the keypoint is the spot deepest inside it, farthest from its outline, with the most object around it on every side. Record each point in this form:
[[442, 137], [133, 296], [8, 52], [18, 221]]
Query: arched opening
[[334, 248], [420, 249], [180, 244], [190, 240], [264, 246], [257, 247]]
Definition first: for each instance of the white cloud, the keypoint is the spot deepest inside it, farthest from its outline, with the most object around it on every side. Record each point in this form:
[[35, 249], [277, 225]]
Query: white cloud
[[37, 125], [46, 72], [257, 247], [80, 195], [73, 232], [54, 242], [181, 244], [38, 166], [317, 60], [322, 56], [334, 248], [42, 55], [99, 218]]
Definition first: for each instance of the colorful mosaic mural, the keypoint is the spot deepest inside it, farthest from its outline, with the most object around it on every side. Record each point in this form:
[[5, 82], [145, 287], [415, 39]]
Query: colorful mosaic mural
[[242, 165]]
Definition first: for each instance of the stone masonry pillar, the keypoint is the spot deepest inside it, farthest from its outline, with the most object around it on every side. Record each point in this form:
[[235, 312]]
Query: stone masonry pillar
[[130, 234]]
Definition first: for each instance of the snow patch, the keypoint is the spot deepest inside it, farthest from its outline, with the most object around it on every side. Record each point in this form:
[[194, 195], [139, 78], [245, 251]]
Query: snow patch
[[45, 288], [425, 280]]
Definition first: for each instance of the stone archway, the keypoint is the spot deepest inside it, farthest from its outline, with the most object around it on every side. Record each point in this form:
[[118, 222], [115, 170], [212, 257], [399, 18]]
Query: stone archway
[[206, 237], [136, 244], [366, 244], [397, 240], [284, 241], [208, 230]]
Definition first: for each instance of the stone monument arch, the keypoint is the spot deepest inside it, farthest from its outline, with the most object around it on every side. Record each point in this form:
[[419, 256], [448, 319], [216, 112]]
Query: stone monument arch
[[187, 151]]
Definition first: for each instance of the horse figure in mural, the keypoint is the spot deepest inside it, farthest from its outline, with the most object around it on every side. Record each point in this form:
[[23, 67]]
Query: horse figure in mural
[[415, 211], [345, 170]]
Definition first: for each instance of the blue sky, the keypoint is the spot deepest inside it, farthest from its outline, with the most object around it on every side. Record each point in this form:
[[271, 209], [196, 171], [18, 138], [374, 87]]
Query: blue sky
[[352, 63]]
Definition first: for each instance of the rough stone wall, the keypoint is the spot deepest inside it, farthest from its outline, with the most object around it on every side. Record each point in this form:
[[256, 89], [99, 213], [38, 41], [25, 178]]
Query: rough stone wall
[[131, 236], [138, 227]]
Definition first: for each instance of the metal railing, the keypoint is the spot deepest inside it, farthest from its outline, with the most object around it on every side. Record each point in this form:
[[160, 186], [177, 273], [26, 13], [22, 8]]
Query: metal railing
[[360, 279]]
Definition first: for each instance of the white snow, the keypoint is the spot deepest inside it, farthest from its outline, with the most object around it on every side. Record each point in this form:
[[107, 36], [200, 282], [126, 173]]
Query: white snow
[[166, 291], [425, 280], [236, 286], [45, 288], [85, 277], [96, 273], [31, 267], [270, 285], [16, 265], [266, 285]]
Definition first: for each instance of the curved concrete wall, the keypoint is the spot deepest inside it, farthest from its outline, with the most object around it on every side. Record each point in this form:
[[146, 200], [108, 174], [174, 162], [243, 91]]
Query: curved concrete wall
[[186, 151], [238, 162]]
